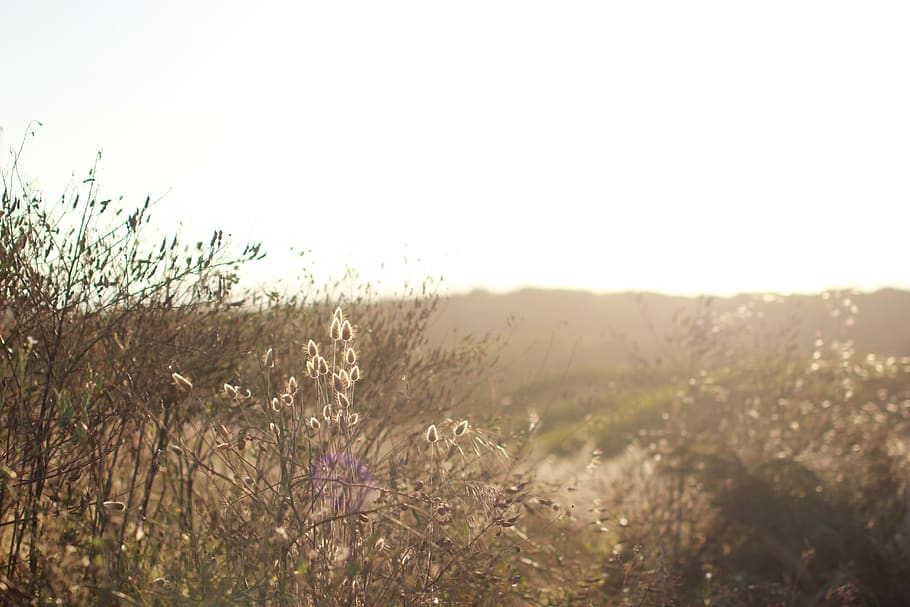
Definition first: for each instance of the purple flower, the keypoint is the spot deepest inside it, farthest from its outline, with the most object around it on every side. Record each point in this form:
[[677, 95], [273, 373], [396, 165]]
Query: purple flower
[[345, 482]]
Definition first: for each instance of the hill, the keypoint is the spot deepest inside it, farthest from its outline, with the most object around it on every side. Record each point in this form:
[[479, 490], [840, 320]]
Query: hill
[[566, 330]]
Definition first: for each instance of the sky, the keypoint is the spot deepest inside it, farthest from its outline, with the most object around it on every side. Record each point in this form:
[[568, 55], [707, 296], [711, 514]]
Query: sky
[[682, 147]]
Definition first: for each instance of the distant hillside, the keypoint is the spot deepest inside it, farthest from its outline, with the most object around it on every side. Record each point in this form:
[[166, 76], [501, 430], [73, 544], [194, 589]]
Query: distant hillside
[[557, 331]]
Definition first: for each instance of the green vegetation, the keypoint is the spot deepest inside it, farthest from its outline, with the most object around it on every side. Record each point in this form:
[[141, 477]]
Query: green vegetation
[[165, 440]]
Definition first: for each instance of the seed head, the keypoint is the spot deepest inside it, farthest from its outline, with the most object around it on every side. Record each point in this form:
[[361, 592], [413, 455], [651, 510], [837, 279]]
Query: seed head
[[338, 314], [345, 379], [461, 428], [114, 506], [355, 373], [342, 400], [335, 329], [432, 434], [276, 406], [230, 390], [337, 383], [323, 366], [311, 369], [269, 358], [287, 399], [353, 418], [350, 356], [327, 413], [181, 381], [312, 349], [275, 429], [314, 423], [347, 331], [292, 384]]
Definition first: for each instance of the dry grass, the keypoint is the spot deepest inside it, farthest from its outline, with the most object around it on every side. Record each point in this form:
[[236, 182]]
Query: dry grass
[[163, 443]]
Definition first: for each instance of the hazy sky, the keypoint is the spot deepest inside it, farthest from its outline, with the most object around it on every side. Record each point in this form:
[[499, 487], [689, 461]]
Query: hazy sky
[[675, 146]]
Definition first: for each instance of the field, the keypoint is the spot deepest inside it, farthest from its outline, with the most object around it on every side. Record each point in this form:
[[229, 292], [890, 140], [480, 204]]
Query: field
[[171, 439]]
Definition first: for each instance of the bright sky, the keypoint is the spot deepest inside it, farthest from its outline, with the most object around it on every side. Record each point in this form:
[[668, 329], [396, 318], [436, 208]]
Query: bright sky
[[674, 146]]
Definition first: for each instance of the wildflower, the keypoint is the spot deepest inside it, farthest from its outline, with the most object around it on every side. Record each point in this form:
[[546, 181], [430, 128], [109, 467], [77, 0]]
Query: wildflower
[[432, 434], [344, 482]]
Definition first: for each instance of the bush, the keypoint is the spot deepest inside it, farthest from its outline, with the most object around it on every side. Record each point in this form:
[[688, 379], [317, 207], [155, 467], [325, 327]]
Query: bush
[[163, 443]]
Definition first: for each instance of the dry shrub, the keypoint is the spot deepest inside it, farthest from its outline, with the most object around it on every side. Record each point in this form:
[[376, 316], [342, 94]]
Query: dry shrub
[[775, 480], [164, 444]]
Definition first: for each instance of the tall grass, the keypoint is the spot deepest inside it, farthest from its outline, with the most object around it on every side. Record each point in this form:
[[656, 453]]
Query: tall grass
[[164, 443], [165, 440]]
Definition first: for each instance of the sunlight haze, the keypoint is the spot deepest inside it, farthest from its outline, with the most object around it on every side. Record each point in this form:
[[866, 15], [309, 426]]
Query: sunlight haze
[[678, 147]]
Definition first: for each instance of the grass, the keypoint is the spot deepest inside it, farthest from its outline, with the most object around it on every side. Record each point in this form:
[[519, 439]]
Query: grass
[[165, 440]]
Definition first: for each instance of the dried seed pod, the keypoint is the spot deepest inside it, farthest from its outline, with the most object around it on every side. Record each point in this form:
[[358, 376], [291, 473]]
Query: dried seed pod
[[276, 405], [181, 381], [337, 383], [342, 400], [323, 366], [461, 428], [314, 423], [347, 331], [432, 434], [335, 329], [345, 379], [312, 349], [292, 384], [350, 356], [311, 369], [355, 373]]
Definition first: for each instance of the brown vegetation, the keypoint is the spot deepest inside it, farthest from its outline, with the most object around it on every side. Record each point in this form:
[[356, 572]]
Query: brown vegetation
[[164, 442]]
